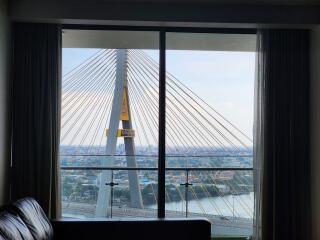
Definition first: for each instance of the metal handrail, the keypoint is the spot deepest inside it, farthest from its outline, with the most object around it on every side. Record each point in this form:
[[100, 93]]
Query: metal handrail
[[140, 155], [167, 169]]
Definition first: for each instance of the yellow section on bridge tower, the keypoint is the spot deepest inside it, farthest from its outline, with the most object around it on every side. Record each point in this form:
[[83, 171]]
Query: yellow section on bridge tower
[[124, 111], [124, 116]]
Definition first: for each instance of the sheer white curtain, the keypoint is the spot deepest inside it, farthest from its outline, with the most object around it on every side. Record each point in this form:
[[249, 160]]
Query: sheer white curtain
[[258, 138]]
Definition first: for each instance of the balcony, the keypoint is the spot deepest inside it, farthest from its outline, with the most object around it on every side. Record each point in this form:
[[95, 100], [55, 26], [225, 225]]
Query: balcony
[[220, 193]]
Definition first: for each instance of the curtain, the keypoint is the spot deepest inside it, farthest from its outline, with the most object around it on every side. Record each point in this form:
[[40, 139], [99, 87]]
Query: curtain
[[282, 162], [36, 114], [258, 140]]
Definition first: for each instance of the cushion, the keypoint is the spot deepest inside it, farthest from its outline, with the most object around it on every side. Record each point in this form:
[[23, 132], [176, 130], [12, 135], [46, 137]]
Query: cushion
[[13, 228], [35, 219]]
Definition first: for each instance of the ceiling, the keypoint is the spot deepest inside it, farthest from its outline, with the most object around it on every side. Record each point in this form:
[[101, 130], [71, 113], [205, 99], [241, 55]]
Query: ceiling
[[223, 2], [296, 13]]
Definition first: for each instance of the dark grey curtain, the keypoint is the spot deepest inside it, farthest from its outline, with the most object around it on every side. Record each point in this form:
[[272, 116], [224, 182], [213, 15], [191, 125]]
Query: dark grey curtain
[[36, 113], [282, 104]]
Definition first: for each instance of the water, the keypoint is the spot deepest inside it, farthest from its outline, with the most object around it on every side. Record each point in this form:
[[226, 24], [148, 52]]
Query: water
[[229, 206]]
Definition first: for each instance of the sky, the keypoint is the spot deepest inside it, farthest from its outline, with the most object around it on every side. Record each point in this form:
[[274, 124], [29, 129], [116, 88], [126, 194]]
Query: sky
[[225, 80]]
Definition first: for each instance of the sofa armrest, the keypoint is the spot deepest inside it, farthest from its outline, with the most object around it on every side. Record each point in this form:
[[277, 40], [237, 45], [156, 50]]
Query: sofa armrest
[[140, 229]]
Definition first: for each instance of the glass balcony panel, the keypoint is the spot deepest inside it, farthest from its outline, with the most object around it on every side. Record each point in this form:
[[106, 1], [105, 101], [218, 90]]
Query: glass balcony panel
[[80, 188], [225, 198], [175, 194], [79, 193]]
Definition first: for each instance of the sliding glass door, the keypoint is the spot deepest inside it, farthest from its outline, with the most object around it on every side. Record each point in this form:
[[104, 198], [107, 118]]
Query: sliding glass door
[[109, 124], [209, 129], [158, 123]]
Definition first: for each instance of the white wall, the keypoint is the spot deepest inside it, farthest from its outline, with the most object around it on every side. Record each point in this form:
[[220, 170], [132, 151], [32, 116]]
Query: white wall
[[4, 103], [315, 130]]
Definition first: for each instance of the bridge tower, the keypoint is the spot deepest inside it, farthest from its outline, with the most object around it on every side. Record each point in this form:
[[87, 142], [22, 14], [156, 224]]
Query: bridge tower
[[120, 112]]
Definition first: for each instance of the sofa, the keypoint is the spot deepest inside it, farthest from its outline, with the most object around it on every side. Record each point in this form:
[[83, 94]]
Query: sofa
[[25, 220]]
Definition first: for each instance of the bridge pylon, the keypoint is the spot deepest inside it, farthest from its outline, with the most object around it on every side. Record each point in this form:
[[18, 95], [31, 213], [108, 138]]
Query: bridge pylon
[[120, 112]]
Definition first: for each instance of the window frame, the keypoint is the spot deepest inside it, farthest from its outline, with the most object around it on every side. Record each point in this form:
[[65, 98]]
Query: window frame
[[162, 83]]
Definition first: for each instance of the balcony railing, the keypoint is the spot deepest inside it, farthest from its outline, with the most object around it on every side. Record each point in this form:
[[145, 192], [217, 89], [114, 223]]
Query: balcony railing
[[222, 194]]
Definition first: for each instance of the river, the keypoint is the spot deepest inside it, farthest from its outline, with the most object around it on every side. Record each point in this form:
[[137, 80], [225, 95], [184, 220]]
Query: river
[[229, 206]]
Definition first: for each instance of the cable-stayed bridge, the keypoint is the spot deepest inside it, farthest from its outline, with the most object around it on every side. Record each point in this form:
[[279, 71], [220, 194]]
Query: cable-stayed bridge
[[110, 111]]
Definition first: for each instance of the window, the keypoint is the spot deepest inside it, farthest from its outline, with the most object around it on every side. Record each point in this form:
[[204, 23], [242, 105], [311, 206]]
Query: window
[[111, 97], [105, 127], [209, 128]]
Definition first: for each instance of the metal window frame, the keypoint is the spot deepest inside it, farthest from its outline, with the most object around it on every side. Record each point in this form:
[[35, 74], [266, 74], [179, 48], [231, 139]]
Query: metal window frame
[[162, 85]]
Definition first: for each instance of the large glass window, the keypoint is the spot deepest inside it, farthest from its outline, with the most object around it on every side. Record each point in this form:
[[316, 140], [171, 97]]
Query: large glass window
[[209, 129], [110, 126]]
